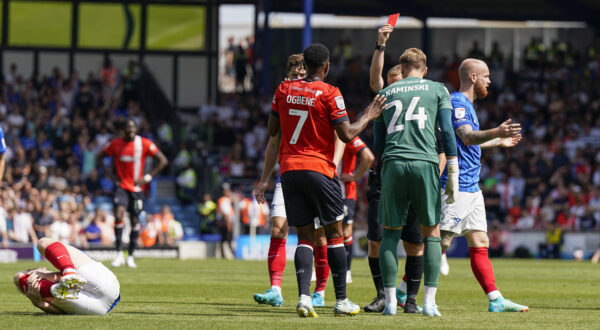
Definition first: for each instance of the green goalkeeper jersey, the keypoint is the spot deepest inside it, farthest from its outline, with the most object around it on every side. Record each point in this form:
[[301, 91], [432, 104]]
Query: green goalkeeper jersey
[[409, 118]]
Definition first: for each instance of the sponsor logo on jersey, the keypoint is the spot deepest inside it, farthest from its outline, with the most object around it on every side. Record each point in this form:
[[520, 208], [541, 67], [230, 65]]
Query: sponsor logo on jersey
[[127, 159], [339, 101], [459, 113]]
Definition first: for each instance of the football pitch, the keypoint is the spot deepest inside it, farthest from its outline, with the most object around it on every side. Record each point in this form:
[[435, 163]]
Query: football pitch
[[214, 294]]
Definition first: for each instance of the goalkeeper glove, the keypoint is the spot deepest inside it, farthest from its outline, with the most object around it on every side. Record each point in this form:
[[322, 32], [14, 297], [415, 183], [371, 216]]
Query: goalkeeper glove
[[452, 182]]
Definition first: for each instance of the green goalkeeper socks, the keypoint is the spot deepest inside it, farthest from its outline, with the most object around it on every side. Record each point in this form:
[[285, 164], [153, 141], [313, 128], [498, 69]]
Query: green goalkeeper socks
[[432, 260], [388, 257]]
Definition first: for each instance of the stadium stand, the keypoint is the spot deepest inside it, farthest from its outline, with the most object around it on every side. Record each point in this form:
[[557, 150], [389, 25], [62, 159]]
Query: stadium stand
[[54, 124]]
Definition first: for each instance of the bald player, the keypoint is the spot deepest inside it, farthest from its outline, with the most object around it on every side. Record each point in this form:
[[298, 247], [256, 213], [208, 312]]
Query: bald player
[[466, 216]]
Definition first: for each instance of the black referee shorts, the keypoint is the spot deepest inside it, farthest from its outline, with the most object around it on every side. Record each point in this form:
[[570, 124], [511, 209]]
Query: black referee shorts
[[309, 195]]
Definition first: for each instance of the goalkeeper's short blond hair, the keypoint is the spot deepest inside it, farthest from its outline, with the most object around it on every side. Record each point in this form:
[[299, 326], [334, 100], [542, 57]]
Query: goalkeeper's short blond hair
[[413, 59]]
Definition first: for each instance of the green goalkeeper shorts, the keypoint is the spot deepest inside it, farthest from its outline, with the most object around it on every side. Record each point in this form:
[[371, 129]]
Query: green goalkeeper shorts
[[409, 182]]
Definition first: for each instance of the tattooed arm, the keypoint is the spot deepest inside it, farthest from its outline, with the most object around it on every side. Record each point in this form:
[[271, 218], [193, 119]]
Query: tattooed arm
[[470, 137]]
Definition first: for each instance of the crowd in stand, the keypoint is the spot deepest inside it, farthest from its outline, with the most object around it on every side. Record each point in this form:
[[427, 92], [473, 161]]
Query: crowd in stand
[[551, 178], [53, 126]]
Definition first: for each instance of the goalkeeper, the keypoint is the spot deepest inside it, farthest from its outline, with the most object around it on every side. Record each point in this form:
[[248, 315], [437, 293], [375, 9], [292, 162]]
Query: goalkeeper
[[405, 136]]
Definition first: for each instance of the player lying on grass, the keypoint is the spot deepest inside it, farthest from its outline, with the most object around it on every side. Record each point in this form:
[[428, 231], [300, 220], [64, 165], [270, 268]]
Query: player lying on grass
[[81, 286]]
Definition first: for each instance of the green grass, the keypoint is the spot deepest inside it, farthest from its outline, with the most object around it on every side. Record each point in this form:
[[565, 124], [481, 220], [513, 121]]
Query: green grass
[[218, 294]]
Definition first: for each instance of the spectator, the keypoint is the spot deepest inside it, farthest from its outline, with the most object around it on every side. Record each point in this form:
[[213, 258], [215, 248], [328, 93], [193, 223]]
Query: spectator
[[186, 185], [208, 213], [22, 231], [3, 226], [554, 240], [93, 232], [225, 213], [175, 232]]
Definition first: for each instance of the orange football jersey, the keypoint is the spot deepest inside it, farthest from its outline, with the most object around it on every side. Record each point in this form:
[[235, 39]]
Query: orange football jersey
[[307, 112]]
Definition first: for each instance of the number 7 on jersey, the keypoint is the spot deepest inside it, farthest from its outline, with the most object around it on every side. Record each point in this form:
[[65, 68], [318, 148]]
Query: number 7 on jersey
[[303, 114]]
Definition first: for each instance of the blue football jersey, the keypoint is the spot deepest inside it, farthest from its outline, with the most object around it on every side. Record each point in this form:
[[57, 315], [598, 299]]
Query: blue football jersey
[[469, 157], [2, 142]]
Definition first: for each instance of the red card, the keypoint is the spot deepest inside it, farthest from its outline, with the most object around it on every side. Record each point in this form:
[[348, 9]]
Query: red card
[[393, 19]]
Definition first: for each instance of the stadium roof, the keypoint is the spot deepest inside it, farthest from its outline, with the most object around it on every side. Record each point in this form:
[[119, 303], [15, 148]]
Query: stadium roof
[[514, 10]]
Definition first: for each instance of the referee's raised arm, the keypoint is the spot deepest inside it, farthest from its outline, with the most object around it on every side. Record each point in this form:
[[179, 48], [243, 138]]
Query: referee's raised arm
[[376, 71]]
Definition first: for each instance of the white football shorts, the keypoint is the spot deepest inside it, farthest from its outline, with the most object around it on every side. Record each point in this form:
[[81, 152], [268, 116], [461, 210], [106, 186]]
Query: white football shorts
[[278, 204], [97, 296], [465, 214]]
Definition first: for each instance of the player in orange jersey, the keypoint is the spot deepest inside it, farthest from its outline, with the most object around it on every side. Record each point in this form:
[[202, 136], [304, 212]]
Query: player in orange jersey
[[306, 112], [355, 149], [129, 153]]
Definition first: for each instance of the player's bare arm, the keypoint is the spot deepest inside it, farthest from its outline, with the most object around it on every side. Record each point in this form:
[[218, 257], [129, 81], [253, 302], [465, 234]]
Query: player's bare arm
[[365, 159], [376, 70], [271, 155], [508, 142], [274, 125], [470, 137], [162, 163], [347, 131], [2, 166], [442, 165], [338, 151]]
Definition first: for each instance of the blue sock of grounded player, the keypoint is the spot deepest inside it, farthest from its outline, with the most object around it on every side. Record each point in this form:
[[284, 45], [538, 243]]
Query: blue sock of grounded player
[[348, 242], [133, 237], [303, 260], [118, 235], [414, 271], [336, 256]]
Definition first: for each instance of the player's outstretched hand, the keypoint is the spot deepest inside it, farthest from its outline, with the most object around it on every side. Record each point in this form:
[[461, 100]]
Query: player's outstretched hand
[[506, 129], [374, 109], [259, 192], [383, 34], [452, 182], [511, 141]]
